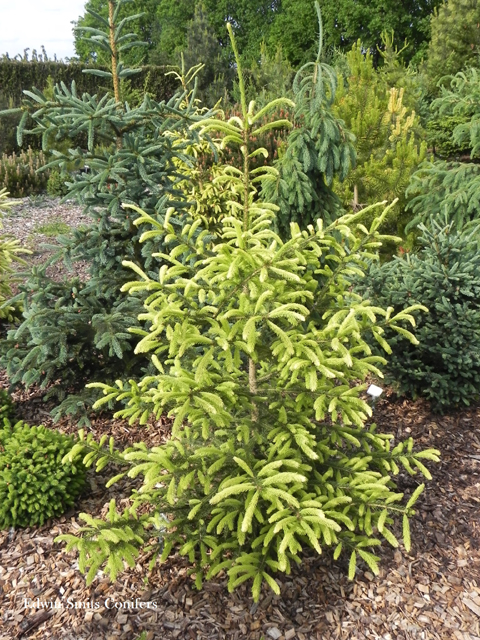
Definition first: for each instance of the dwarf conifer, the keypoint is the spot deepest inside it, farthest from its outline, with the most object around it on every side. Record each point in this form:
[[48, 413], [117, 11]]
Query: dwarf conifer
[[451, 188], [260, 351]]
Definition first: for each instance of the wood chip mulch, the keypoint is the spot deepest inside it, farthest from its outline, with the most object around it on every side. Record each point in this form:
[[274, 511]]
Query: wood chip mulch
[[431, 593]]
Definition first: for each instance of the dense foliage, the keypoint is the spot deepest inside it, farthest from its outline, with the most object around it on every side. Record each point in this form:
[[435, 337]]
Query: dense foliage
[[19, 173], [386, 142], [259, 346], [17, 75], [269, 454], [6, 405], [455, 40], [290, 24], [346, 21], [445, 277], [34, 483], [450, 187]]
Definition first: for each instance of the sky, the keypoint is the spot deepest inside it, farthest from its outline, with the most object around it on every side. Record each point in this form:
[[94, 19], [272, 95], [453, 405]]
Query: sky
[[33, 23]]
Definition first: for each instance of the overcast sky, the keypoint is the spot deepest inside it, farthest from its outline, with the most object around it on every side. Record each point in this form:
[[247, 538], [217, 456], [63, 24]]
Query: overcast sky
[[31, 23]]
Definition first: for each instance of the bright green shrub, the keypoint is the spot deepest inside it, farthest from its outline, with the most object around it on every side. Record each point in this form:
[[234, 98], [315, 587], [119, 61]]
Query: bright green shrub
[[260, 351], [34, 483], [6, 405], [269, 453], [445, 277], [18, 173], [56, 184]]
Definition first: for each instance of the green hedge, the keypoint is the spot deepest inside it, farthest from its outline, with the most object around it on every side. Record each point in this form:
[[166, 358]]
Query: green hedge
[[17, 75]]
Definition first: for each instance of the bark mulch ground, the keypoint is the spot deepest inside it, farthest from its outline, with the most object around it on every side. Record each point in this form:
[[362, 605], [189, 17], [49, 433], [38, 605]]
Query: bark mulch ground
[[431, 593]]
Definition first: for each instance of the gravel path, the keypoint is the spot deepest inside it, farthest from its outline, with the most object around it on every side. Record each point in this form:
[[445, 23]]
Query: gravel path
[[33, 221]]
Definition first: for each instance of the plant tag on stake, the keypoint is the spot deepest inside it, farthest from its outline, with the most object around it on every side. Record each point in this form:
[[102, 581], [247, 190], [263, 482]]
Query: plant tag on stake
[[375, 392]]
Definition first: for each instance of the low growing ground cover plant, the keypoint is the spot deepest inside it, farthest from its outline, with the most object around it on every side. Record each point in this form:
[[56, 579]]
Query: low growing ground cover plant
[[260, 348], [34, 483]]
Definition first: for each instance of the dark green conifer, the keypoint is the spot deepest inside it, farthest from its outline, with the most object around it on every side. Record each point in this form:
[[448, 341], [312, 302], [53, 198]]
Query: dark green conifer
[[319, 148]]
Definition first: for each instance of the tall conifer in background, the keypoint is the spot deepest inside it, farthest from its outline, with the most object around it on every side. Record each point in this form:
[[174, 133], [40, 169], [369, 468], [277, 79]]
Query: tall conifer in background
[[455, 40], [201, 46], [319, 148]]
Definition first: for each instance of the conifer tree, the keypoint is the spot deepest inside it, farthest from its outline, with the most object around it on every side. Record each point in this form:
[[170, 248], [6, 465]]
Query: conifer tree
[[319, 148], [444, 275], [386, 143], [451, 188], [74, 331], [455, 40], [259, 346], [202, 46]]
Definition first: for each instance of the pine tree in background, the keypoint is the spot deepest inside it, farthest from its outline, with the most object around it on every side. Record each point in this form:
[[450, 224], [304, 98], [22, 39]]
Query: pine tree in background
[[201, 46], [455, 40], [319, 148], [386, 143], [76, 331]]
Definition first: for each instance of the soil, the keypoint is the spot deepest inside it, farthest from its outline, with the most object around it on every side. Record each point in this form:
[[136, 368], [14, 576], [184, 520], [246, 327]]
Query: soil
[[433, 592]]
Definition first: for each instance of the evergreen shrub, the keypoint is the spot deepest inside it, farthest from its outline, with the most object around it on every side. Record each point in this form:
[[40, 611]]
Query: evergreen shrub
[[440, 138], [445, 277], [269, 454], [6, 405], [56, 184], [18, 173], [450, 187], [34, 483], [260, 351]]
